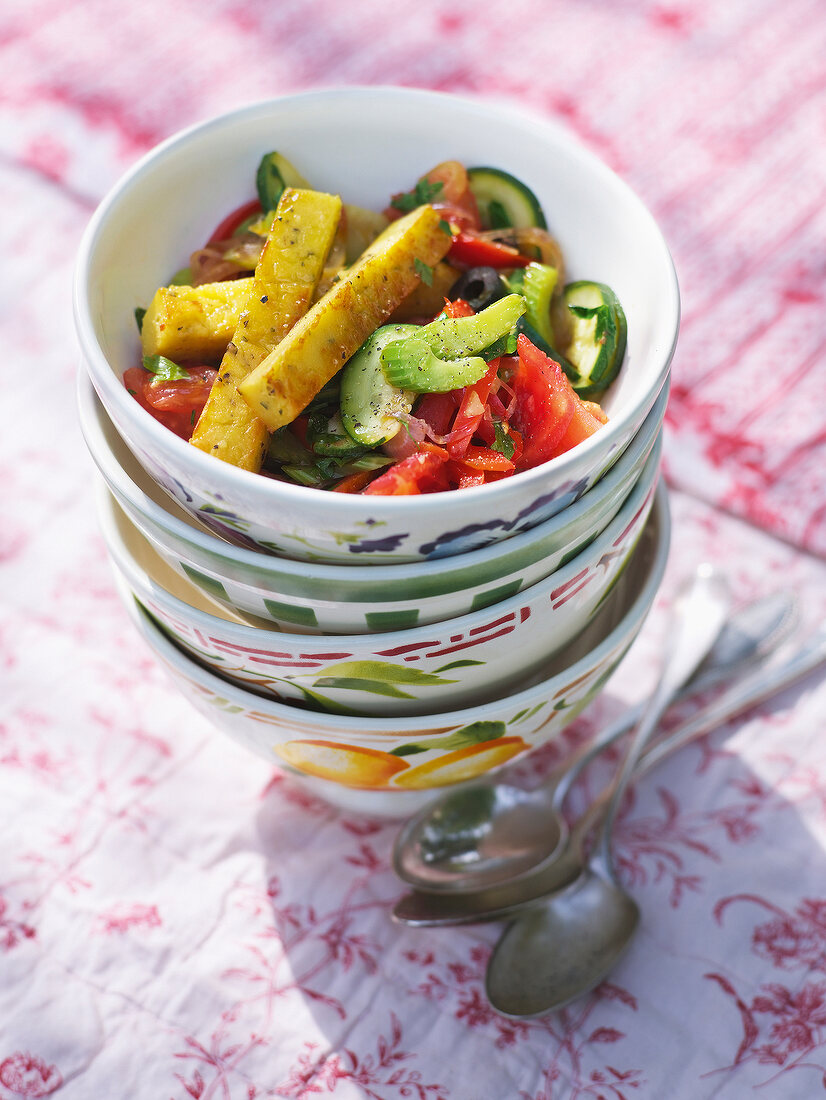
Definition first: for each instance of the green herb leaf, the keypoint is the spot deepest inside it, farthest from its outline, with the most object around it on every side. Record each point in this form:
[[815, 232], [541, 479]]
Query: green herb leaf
[[164, 369], [422, 193], [503, 443], [445, 227], [424, 271], [139, 316]]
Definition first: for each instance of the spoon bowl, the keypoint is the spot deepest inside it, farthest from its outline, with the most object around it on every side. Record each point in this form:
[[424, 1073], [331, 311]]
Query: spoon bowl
[[555, 953], [490, 834], [481, 836]]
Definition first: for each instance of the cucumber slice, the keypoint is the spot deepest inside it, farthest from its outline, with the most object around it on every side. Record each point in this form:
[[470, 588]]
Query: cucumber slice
[[329, 438], [274, 174], [598, 336], [504, 200], [369, 403]]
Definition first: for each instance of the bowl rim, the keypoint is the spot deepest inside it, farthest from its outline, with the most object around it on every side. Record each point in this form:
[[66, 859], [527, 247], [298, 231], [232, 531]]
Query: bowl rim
[[341, 504], [91, 409], [646, 487], [171, 654]]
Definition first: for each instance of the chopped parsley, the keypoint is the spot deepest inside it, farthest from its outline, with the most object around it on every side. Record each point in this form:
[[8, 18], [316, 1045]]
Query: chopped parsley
[[422, 193], [424, 271], [139, 316], [504, 443], [164, 369]]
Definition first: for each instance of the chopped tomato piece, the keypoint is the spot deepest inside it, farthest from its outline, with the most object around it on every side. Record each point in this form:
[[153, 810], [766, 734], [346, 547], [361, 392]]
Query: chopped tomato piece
[[454, 199], [423, 472], [470, 250], [545, 403], [176, 405], [583, 424], [437, 410], [596, 410], [233, 220]]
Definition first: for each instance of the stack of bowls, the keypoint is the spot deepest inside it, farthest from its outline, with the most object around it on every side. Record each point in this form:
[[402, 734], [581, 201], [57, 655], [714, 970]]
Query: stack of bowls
[[380, 646]]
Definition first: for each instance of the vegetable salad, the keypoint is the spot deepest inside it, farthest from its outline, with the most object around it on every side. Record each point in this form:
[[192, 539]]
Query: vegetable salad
[[432, 346]]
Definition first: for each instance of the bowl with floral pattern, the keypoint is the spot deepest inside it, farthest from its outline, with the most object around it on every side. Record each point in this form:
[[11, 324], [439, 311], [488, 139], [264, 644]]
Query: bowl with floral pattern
[[367, 144], [444, 666], [392, 767], [335, 599]]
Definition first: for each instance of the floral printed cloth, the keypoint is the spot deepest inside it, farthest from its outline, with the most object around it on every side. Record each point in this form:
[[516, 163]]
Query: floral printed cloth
[[179, 921]]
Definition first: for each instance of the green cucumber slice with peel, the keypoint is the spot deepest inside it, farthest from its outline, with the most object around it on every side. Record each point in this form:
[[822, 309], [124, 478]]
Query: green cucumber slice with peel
[[369, 403], [274, 174], [503, 200], [598, 338]]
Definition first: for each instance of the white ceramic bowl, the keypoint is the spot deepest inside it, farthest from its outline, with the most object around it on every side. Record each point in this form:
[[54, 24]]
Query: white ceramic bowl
[[367, 143], [391, 768], [441, 666], [334, 598]]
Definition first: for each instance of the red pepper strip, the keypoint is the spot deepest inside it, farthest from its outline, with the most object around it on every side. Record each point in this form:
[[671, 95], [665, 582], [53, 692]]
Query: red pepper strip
[[469, 250], [485, 429], [233, 220], [423, 472], [354, 483], [463, 477], [458, 308], [516, 436], [471, 411], [299, 429], [484, 458], [496, 407]]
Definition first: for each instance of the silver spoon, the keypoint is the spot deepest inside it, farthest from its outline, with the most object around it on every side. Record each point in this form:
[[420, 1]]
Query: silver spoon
[[697, 616], [555, 952], [425, 910], [493, 833]]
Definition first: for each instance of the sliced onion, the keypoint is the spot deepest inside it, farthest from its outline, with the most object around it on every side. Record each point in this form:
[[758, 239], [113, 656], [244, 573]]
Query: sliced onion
[[222, 260], [529, 241]]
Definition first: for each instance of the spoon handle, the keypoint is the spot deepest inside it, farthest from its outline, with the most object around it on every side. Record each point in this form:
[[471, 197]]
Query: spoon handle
[[745, 693], [501, 903], [697, 618], [752, 633]]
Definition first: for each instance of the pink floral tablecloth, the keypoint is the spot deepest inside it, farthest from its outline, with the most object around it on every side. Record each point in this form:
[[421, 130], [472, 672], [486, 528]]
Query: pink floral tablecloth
[[179, 921]]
